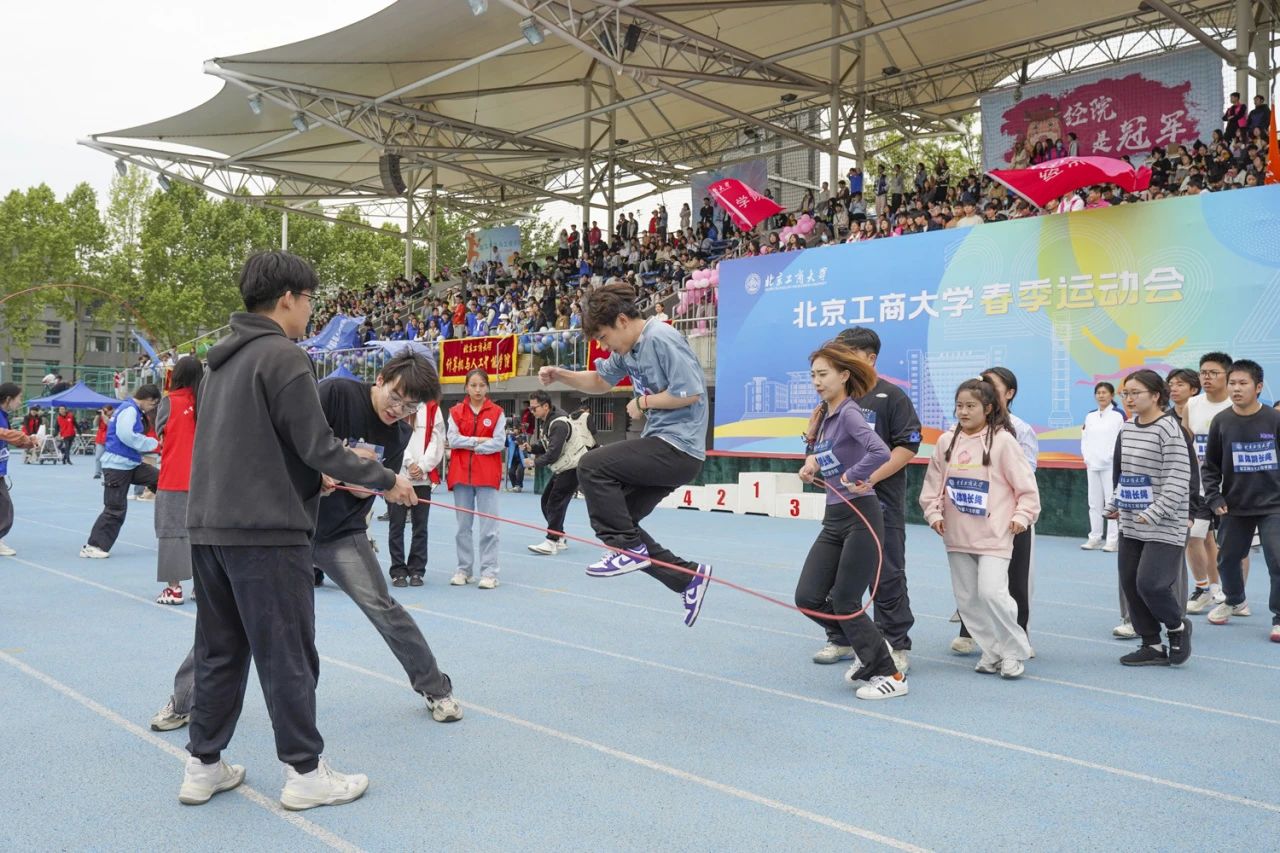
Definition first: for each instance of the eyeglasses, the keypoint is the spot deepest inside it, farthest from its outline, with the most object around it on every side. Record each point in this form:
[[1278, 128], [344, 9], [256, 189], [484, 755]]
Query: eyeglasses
[[1210, 374], [400, 404], [310, 296], [1130, 394]]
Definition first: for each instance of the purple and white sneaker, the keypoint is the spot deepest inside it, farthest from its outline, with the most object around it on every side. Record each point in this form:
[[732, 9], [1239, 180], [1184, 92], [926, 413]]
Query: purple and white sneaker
[[613, 563], [695, 593]]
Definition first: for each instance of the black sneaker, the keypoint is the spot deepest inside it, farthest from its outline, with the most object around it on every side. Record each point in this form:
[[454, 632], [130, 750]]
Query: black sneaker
[[319, 577], [1180, 643], [415, 580], [400, 581], [1146, 656]]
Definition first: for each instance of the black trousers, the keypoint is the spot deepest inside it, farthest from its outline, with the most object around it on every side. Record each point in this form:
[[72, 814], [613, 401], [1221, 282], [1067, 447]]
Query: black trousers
[[1019, 578], [1150, 573], [256, 602], [892, 610], [417, 515], [1235, 536], [837, 573], [6, 508], [515, 474], [115, 501], [556, 498], [64, 444], [623, 482]]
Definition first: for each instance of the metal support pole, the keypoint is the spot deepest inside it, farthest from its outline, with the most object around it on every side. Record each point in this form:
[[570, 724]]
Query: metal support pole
[[833, 168], [612, 200], [586, 160], [1262, 53], [408, 235], [1244, 35], [284, 231], [435, 226], [860, 131]]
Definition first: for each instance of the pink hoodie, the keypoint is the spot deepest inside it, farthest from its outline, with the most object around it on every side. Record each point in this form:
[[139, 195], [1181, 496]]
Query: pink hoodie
[[977, 502]]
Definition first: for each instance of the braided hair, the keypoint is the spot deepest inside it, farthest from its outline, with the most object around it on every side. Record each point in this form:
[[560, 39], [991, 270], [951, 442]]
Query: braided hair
[[997, 416]]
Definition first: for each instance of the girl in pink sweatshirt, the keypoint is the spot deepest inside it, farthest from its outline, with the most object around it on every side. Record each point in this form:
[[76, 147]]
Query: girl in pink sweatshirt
[[978, 493]]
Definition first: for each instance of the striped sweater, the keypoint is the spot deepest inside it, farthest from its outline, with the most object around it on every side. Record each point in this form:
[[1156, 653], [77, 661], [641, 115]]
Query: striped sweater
[[1153, 473]]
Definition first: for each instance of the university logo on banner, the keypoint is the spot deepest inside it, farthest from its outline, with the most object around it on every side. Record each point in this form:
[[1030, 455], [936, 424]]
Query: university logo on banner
[[496, 356]]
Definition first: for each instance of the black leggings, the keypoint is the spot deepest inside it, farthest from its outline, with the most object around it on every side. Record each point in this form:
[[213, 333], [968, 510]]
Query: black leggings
[[837, 573], [1019, 578]]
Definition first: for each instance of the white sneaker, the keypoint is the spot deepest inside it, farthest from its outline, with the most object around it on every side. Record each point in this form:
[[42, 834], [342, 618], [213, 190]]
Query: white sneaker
[[1091, 545], [1222, 614], [445, 709], [147, 497], [201, 781], [987, 667], [1011, 668], [489, 582], [170, 595], [323, 786], [882, 687], [963, 646], [546, 547], [1124, 631], [459, 579], [901, 659], [167, 719], [93, 552], [6, 551], [1111, 547], [562, 545], [833, 653]]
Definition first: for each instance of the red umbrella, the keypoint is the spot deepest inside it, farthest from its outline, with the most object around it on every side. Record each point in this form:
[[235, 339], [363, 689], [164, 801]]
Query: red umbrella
[[745, 206], [1043, 183]]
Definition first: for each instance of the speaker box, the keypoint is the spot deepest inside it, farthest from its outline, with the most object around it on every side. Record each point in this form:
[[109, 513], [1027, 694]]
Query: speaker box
[[389, 169]]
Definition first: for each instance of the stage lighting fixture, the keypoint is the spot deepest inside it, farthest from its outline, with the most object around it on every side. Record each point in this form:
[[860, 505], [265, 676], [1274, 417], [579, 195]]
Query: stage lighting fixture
[[122, 168], [478, 7], [620, 142], [632, 38], [300, 123], [789, 97], [163, 181], [255, 104], [532, 32], [890, 70]]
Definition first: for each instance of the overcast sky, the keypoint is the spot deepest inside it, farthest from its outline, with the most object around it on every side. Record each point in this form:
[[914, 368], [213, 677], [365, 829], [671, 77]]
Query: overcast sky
[[69, 68]]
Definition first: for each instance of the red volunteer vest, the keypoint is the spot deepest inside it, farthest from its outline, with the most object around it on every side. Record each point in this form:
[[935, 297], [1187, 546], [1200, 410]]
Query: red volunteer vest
[[179, 437], [467, 468], [430, 410]]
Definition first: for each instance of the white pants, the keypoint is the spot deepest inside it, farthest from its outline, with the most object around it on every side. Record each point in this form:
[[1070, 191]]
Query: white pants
[[981, 586], [1099, 497]]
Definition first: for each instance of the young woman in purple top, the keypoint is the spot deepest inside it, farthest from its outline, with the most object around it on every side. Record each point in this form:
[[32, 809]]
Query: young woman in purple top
[[843, 561]]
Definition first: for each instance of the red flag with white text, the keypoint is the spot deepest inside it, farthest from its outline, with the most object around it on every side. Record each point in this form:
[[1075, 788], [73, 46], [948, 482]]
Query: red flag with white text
[[746, 207]]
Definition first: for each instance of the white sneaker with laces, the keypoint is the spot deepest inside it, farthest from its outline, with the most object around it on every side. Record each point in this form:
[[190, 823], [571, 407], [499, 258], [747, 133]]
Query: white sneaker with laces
[[833, 653], [882, 687], [987, 667], [6, 551], [1111, 547], [323, 786], [167, 719], [562, 545], [93, 552], [1221, 614], [459, 579], [1124, 631], [201, 781], [444, 709], [546, 547], [170, 595], [1011, 668], [963, 646], [489, 582], [1091, 545]]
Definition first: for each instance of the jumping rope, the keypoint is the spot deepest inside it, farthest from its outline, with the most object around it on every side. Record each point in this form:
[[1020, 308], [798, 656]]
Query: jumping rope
[[817, 614]]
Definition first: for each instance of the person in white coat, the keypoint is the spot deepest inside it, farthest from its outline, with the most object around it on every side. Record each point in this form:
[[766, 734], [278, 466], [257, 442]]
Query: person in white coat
[[421, 466], [1098, 447]]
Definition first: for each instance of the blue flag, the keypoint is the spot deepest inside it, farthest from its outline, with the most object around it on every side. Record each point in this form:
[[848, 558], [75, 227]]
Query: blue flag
[[146, 346]]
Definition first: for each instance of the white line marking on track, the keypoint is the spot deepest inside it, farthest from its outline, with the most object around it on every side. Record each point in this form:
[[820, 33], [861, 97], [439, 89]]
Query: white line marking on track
[[684, 775], [253, 795]]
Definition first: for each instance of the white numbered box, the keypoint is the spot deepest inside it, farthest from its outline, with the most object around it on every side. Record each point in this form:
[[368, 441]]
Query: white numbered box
[[685, 497], [807, 505], [758, 491], [720, 497]]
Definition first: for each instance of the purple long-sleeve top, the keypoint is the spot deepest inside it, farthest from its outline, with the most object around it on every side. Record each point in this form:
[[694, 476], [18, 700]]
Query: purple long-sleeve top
[[847, 445]]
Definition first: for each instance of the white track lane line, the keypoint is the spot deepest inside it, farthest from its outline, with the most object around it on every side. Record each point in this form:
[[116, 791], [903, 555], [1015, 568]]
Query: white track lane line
[[295, 820], [641, 761]]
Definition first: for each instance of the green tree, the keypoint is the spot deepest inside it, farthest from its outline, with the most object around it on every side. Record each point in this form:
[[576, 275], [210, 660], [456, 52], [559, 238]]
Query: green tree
[[37, 247]]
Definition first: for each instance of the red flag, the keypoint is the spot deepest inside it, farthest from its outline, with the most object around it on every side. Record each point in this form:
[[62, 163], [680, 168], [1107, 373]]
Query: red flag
[[745, 206], [1273, 159], [1046, 181]]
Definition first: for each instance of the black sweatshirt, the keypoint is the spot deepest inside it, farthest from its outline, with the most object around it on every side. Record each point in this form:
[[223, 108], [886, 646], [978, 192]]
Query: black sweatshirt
[[551, 438], [348, 407], [889, 411], [262, 442], [1240, 463]]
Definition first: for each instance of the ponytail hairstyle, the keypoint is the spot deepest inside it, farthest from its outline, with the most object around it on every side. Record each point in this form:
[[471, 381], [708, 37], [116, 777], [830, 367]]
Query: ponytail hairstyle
[[862, 377], [997, 418], [188, 373], [1152, 381], [1005, 375]]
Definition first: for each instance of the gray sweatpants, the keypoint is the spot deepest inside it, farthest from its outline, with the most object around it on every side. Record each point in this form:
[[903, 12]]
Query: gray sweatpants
[[482, 499], [981, 586]]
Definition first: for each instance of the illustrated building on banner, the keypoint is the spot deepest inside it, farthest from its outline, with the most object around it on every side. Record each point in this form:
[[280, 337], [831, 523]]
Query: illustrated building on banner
[[934, 378], [769, 397]]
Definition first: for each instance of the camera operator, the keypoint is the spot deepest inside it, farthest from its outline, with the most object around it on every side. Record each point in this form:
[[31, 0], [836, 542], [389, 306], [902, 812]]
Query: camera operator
[[560, 440]]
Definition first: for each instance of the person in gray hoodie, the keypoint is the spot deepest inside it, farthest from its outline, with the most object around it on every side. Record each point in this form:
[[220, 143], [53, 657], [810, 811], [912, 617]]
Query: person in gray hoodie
[[261, 447]]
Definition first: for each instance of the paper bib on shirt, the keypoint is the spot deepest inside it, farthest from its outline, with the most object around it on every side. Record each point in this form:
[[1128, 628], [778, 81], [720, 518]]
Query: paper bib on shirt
[[1250, 457], [828, 464], [1134, 492], [968, 495], [1202, 445]]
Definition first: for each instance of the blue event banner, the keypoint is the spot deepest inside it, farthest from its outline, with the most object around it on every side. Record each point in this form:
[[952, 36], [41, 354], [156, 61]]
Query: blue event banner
[[1065, 301]]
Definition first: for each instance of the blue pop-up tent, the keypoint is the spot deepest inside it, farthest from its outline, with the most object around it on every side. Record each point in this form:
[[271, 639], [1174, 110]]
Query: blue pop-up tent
[[341, 373], [341, 332], [78, 396]]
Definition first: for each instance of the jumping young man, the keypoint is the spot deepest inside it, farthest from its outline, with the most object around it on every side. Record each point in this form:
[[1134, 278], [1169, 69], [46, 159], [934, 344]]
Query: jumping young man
[[1242, 486], [623, 482], [261, 447], [122, 468]]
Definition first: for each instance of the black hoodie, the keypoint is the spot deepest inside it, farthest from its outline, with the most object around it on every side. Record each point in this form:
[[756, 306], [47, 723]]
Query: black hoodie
[[261, 442]]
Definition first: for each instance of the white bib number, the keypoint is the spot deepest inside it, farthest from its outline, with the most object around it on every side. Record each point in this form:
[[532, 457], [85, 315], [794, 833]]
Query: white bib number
[[828, 464], [1202, 445], [1250, 457], [1134, 492], [968, 495]]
